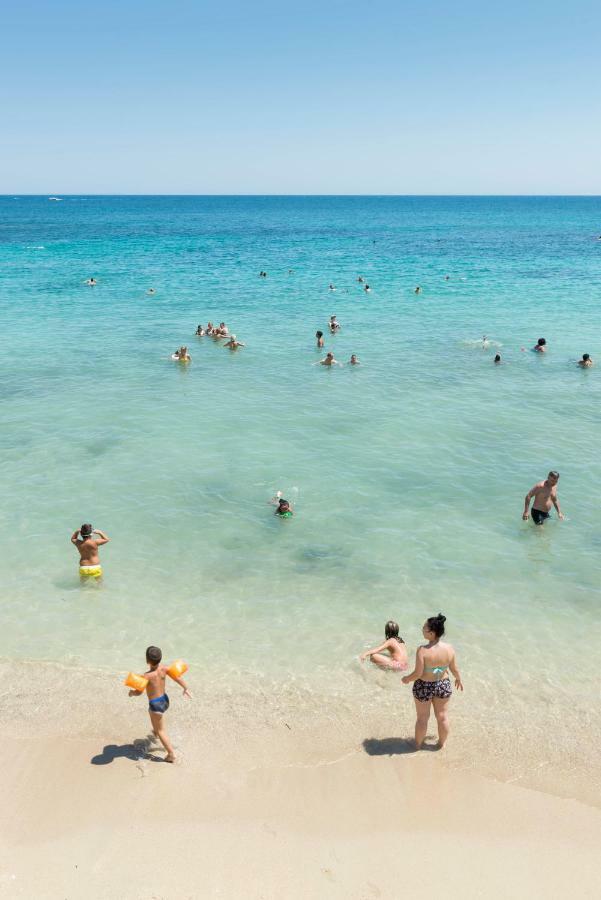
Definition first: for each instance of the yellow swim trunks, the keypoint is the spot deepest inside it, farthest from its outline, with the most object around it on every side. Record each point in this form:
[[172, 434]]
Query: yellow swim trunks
[[90, 571]]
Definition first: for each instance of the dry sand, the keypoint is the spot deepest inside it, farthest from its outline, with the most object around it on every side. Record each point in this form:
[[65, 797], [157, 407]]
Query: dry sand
[[272, 811]]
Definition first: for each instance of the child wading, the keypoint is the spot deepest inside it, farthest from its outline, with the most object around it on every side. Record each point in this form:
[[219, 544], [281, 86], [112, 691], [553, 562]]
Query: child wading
[[158, 701]]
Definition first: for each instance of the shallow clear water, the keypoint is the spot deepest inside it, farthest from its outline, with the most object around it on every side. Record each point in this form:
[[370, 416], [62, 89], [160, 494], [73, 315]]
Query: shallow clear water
[[408, 473]]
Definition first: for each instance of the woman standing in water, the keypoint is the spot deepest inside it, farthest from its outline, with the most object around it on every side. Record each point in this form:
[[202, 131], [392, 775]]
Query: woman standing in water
[[431, 683]]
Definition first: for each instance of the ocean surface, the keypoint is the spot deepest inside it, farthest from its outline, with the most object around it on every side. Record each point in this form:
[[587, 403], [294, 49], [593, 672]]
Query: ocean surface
[[407, 472]]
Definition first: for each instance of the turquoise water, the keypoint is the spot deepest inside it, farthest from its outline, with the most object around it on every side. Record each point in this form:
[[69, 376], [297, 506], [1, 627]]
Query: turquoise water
[[408, 473]]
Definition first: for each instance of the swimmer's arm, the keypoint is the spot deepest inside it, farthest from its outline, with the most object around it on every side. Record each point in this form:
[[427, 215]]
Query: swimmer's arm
[[418, 671], [456, 674], [555, 502], [181, 683], [367, 653]]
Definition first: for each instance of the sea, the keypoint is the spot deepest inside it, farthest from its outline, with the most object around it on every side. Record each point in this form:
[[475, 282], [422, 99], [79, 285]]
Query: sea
[[407, 473]]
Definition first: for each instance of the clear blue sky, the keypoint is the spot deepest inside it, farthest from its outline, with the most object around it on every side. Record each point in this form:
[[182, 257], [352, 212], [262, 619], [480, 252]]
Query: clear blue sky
[[187, 96]]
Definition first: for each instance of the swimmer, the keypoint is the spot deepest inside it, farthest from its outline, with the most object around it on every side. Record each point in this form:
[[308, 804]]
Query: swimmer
[[329, 360], [367, 289], [158, 701], [447, 277], [209, 328], [333, 325], [233, 344], [396, 652], [417, 290], [87, 546], [262, 274], [586, 362], [183, 355], [223, 329], [541, 346], [545, 496], [320, 340], [361, 280], [498, 358], [284, 509], [484, 341], [332, 287], [151, 291], [91, 282], [200, 331], [353, 361]]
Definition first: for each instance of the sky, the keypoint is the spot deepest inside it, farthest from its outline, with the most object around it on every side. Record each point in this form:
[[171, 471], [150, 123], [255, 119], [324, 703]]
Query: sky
[[228, 97]]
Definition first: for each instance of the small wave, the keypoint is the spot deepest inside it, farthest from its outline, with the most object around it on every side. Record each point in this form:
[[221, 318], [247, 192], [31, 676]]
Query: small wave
[[482, 344], [36, 247]]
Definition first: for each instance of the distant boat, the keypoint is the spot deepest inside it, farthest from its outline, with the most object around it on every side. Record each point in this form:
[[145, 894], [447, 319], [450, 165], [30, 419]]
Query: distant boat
[[55, 198]]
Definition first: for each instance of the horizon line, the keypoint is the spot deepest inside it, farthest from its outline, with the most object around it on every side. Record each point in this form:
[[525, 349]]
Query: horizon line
[[16, 194]]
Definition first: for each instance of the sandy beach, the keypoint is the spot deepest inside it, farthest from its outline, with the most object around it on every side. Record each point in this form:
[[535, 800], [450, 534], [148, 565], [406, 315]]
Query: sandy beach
[[263, 809]]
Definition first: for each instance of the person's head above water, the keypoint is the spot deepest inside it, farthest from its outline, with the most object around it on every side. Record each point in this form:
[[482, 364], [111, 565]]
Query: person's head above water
[[153, 655], [86, 531], [586, 357], [498, 357], [433, 627], [283, 505], [541, 342], [391, 630], [319, 334]]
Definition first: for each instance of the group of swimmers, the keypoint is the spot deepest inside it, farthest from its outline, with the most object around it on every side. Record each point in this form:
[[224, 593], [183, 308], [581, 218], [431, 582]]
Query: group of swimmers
[[541, 347], [217, 332]]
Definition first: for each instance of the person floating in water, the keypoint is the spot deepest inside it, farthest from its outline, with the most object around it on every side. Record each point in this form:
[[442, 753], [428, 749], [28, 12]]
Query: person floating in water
[[431, 682], [497, 358], [333, 325], [329, 360], [544, 494], [395, 656], [353, 361], [283, 507], [158, 701], [586, 362], [320, 340], [87, 546], [541, 346], [233, 344]]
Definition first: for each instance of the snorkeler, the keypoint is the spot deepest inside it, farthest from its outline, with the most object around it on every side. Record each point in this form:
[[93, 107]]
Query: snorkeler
[[233, 344], [541, 346], [396, 656], [545, 496], [586, 362], [87, 546]]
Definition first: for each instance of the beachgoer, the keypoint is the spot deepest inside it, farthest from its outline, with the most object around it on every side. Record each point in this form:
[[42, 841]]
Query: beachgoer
[[396, 657], [447, 277], [329, 360], [586, 361], [284, 508], [417, 290], [353, 361], [361, 280], [223, 329], [320, 340], [91, 282], [200, 331], [333, 324], [233, 344], [545, 496], [182, 355], [431, 683], [498, 358], [367, 289], [158, 701], [541, 346], [151, 291], [87, 547], [332, 287], [209, 328]]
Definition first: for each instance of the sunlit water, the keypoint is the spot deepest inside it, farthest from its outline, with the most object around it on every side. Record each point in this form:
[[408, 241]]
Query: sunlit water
[[407, 473]]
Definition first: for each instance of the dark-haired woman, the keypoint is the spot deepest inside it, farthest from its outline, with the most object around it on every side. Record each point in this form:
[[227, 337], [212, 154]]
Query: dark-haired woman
[[431, 683]]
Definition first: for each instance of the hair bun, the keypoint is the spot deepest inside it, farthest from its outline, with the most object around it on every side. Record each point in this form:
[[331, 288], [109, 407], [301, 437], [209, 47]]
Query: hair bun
[[441, 617]]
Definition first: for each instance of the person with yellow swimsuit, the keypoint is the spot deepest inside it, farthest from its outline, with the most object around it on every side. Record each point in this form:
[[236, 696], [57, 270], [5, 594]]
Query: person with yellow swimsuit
[[87, 546]]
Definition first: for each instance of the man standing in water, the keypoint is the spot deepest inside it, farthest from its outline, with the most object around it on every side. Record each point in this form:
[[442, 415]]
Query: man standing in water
[[545, 496], [87, 545]]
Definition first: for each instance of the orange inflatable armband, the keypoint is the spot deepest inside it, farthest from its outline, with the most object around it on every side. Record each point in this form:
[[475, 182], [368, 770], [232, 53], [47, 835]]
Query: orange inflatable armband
[[136, 682], [177, 668]]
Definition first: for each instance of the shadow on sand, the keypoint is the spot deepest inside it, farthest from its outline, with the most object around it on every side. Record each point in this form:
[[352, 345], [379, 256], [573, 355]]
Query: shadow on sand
[[393, 746], [138, 750]]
